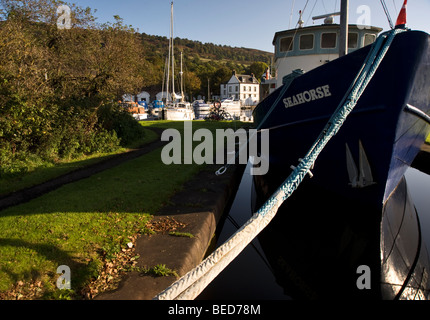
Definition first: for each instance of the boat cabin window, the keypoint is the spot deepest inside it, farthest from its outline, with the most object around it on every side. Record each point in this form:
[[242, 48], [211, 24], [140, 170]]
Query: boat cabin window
[[286, 44], [307, 42], [352, 40], [328, 40], [369, 39]]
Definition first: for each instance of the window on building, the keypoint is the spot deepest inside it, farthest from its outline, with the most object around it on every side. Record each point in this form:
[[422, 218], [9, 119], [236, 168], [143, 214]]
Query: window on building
[[244, 88], [255, 89], [352, 40], [286, 44], [307, 42], [369, 39], [328, 40], [229, 89], [237, 88]]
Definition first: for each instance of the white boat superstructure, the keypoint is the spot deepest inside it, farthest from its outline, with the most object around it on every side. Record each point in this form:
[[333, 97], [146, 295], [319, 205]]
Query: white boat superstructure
[[179, 112], [306, 48]]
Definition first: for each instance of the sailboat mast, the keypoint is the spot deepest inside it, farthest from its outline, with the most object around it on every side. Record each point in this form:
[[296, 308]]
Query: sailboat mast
[[344, 20], [182, 82], [168, 75], [169, 59], [173, 51], [164, 81]]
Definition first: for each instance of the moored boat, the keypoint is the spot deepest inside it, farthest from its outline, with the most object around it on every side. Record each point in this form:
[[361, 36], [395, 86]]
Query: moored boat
[[156, 108], [357, 197], [179, 111], [177, 108], [201, 109]]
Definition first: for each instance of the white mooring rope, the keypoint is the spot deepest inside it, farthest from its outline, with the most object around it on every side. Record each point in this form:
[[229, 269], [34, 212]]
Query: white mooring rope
[[194, 282]]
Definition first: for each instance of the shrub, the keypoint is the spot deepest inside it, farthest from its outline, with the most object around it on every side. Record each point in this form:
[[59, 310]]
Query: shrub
[[116, 118]]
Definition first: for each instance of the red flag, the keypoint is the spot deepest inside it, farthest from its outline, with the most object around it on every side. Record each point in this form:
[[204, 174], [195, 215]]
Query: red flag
[[401, 20]]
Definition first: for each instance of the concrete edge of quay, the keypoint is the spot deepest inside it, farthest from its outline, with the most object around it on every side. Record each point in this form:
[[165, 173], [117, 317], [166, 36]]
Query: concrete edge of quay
[[199, 206]]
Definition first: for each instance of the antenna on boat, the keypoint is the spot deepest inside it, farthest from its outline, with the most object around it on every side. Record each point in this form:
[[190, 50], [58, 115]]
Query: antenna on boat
[[328, 18], [301, 22]]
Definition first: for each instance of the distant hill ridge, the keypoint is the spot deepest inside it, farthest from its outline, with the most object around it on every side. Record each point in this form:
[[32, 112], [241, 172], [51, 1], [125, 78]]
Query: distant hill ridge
[[192, 48], [203, 63]]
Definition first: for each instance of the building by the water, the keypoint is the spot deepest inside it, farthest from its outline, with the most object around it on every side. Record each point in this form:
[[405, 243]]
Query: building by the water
[[245, 88]]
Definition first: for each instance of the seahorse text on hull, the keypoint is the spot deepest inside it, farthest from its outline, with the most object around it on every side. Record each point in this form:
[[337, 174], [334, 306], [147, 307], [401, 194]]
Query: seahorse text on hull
[[308, 96]]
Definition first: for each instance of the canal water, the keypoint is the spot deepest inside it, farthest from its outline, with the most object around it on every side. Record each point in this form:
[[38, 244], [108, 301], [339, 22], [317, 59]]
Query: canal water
[[250, 277]]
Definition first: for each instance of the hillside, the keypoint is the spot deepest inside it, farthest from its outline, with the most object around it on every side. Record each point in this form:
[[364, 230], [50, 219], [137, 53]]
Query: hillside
[[210, 51], [203, 61]]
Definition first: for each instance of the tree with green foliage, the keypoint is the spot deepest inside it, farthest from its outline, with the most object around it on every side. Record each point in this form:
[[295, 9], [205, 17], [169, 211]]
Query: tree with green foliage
[[258, 69], [59, 87], [54, 82]]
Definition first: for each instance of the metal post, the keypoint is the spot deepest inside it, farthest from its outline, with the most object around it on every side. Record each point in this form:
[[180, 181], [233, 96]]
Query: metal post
[[344, 20]]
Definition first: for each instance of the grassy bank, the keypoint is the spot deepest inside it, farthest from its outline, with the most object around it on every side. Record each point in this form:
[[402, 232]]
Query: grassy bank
[[85, 225], [46, 170]]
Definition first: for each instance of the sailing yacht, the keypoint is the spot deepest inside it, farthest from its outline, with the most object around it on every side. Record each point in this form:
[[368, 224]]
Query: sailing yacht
[[176, 108], [354, 211]]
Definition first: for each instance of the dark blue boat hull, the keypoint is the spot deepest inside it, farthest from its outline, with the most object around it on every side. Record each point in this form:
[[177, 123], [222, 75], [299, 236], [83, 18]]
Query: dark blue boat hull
[[390, 136]]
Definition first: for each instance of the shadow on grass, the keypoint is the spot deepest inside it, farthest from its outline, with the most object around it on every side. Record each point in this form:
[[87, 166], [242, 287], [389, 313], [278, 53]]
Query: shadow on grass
[[129, 177], [50, 253], [46, 172], [102, 209]]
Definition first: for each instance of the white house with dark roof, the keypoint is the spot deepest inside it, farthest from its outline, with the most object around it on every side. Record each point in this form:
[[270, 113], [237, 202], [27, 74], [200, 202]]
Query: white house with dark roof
[[245, 88]]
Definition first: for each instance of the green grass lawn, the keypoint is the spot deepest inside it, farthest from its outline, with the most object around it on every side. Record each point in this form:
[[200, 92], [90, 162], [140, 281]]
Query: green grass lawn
[[79, 223], [47, 171]]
